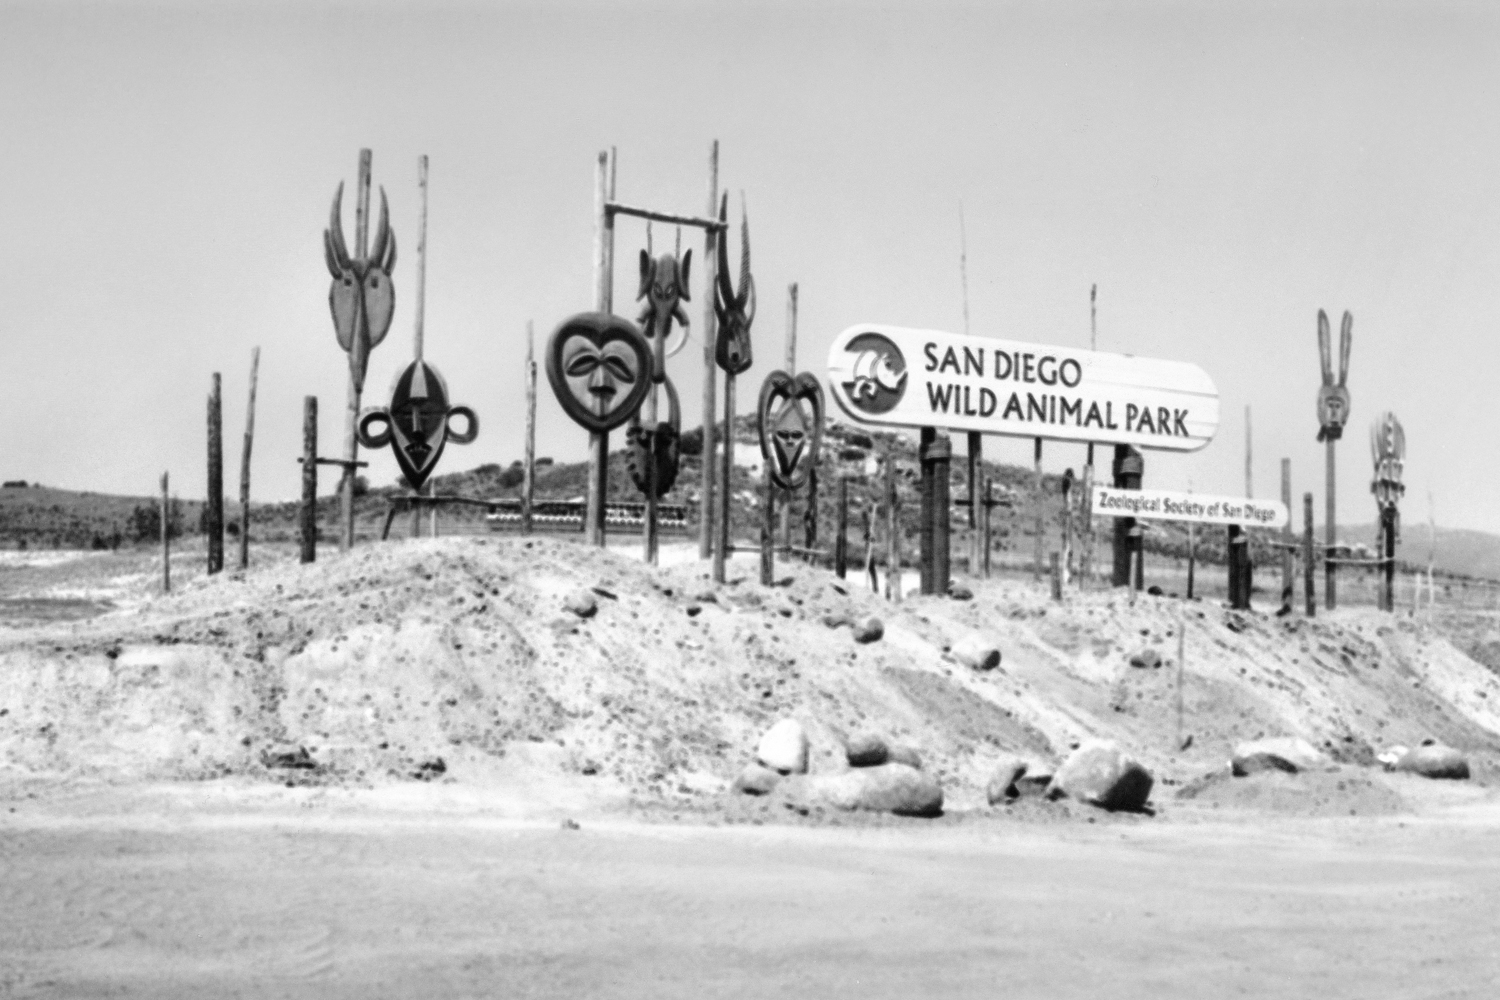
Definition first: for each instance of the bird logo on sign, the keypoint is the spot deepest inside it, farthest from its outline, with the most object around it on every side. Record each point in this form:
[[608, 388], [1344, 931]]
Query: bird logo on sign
[[879, 373]]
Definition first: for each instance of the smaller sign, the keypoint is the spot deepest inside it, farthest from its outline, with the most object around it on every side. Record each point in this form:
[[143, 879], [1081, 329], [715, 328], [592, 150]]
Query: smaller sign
[[1166, 505]]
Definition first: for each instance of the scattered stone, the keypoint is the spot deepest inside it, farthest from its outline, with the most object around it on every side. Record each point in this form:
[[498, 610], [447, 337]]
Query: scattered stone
[[693, 610], [784, 748], [570, 824], [838, 588], [1147, 658], [1282, 753], [959, 592], [294, 757], [784, 611], [707, 597], [1002, 784], [867, 750], [1154, 590], [892, 788], [837, 619], [868, 629], [1433, 760], [905, 753], [604, 589], [581, 603], [1034, 783], [1101, 774], [976, 652], [756, 780], [435, 767]]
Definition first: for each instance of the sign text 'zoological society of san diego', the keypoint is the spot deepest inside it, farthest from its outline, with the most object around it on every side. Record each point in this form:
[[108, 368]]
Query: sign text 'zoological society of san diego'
[[903, 377]]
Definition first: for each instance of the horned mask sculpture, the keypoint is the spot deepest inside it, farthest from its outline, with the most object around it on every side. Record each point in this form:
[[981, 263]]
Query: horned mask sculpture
[[362, 298], [790, 419], [735, 311], [1333, 399]]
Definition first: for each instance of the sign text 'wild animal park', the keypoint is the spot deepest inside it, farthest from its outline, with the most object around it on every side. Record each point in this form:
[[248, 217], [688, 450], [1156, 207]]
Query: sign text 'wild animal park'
[[927, 378]]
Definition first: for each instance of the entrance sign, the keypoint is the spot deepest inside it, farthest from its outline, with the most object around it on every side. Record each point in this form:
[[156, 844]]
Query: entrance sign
[[1166, 505], [903, 377]]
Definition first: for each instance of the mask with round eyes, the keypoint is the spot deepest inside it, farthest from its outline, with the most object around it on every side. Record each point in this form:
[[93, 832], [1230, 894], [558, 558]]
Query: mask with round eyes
[[361, 298], [790, 417], [668, 446], [664, 286], [599, 367], [417, 422]]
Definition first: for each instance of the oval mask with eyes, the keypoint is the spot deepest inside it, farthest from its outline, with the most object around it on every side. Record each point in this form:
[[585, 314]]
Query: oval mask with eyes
[[417, 422], [599, 367], [790, 417]]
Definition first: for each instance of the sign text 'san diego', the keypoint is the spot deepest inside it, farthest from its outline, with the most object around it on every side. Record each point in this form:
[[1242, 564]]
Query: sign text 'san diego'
[[1165, 505], [926, 378]]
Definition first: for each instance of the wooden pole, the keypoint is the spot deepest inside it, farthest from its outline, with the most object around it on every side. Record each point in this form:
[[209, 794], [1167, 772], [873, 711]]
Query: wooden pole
[[1249, 481], [598, 484], [309, 512], [1288, 561], [245, 462], [1309, 566], [1057, 588], [1330, 599], [810, 511], [215, 479], [941, 457], [893, 532], [710, 373], [989, 513], [1181, 666], [528, 481], [432, 511], [726, 480], [791, 369], [926, 530], [1388, 521], [976, 468], [1232, 565], [166, 545], [1086, 530], [417, 334], [841, 542], [1192, 556], [868, 512], [1067, 525], [351, 414], [1041, 503], [767, 530]]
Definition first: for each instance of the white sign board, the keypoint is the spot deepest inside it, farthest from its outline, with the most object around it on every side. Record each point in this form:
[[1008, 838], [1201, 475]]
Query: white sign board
[[1165, 505], [901, 377]]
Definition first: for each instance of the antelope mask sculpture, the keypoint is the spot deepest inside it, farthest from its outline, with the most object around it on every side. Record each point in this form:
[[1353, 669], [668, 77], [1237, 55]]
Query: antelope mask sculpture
[[735, 311], [362, 298], [1333, 399]]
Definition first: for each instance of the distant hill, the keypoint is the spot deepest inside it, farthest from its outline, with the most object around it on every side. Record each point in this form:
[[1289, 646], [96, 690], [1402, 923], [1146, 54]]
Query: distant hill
[[1458, 551]]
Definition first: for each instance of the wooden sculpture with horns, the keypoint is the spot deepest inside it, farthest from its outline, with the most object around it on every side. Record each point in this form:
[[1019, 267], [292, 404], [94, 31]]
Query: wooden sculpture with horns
[[362, 297]]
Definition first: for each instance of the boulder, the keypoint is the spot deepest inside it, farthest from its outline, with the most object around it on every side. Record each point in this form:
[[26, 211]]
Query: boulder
[[867, 750], [837, 619], [1034, 783], [1433, 760], [1101, 774], [1280, 753], [868, 629], [959, 592], [904, 753], [784, 748], [1147, 658], [892, 788], [756, 780], [581, 603], [1002, 786], [976, 652]]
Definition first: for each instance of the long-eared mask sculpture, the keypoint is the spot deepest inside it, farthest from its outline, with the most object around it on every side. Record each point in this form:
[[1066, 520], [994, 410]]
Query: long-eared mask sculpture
[[664, 286], [1333, 399], [735, 311], [790, 417], [417, 423], [362, 298], [599, 367]]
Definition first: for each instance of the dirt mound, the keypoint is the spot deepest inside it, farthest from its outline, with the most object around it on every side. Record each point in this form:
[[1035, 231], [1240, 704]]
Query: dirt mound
[[1338, 791], [454, 660]]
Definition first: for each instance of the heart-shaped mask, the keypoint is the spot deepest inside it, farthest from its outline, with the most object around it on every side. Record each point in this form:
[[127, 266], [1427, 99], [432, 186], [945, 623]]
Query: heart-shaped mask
[[668, 446], [790, 416], [416, 422], [600, 369]]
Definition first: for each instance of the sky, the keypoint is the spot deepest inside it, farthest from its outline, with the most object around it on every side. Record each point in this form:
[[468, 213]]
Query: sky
[[1220, 171]]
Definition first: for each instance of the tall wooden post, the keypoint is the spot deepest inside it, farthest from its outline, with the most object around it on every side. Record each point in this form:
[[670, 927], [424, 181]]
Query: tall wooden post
[[1192, 556], [726, 480], [215, 479], [1288, 561], [528, 468], [767, 531], [868, 512], [1128, 470], [166, 544], [1067, 525], [940, 456], [976, 468], [1309, 565], [308, 515], [926, 512], [810, 511], [1249, 480], [1330, 568], [1041, 504], [604, 252], [351, 413], [841, 542], [989, 513], [1086, 533], [706, 462], [893, 531], [1057, 576], [1388, 571], [791, 369], [245, 462], [1232, 565]]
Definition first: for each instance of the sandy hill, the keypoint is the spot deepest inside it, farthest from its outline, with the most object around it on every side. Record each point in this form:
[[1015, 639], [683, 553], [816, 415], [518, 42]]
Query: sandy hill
[[384, 661]]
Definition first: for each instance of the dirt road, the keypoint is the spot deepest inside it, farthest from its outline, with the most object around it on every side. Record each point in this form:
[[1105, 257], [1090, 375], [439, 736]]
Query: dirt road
[[287, 896]]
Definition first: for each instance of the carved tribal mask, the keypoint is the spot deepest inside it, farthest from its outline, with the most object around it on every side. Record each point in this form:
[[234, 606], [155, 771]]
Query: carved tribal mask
[[735, 312], [417, 422], [790, 417], [1333, 400], [362, 298], [600, 369]]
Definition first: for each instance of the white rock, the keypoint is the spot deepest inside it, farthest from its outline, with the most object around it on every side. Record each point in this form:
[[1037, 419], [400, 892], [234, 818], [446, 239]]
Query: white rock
[[784, 748]]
